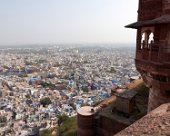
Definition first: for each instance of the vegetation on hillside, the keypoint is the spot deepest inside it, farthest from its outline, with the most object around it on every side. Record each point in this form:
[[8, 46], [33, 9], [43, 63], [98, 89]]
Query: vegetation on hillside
[[67, 126], [142, 100], [46, 132], [144, 90]]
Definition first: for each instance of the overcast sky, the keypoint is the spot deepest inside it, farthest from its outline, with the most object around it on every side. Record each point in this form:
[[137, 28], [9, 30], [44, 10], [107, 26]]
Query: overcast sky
[[66, 21]]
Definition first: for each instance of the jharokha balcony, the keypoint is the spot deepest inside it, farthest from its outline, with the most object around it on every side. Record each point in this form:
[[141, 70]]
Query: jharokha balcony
[[154, 58], [154, 53], [153, 62]]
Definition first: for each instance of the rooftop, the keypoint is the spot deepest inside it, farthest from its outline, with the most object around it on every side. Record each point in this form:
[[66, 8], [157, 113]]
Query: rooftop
[[160, 20], [86, 111], [127, 94]]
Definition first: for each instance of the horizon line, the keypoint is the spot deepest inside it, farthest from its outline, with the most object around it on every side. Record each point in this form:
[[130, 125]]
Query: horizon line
[[53, 44]]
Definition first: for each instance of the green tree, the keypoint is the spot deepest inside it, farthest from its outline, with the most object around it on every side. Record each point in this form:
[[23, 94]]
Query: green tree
[[27, 96], [6, 67], [62, 118], [45, 101], [45, 84], [85, 89], [112, 70]]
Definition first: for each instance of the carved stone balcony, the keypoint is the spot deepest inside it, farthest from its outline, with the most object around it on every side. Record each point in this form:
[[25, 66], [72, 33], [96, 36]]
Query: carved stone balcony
[[157, 55]]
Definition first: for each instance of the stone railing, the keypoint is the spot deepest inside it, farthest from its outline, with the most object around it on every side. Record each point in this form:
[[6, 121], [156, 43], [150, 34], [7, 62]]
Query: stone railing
[[154, 53]]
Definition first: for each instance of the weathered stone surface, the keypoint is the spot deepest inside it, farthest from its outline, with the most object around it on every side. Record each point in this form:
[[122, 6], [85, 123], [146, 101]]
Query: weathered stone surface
[[156, 123]]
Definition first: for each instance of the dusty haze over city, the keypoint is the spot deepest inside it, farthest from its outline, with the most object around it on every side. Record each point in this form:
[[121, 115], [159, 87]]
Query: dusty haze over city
[[25, 22]]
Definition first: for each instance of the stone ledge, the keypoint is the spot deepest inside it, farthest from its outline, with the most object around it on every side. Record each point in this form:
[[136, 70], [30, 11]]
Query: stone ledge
[[157, 122]]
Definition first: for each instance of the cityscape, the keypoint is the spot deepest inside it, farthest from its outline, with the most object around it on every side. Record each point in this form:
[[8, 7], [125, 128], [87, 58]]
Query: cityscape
[[70, 68], [39, 84]]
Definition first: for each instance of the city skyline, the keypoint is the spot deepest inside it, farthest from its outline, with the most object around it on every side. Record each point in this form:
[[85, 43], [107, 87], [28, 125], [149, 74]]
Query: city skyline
[[55, 22]]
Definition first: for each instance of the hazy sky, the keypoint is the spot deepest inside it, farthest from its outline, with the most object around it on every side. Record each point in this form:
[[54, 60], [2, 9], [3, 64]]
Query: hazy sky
[[66, 21]]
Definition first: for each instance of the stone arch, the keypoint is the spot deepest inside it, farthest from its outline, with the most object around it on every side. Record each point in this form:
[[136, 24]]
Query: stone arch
[[143, 38], [147, 37], [151, 40]]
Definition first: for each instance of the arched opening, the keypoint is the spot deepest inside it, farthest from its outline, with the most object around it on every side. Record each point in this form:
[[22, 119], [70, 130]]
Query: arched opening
[[143, 42], [151, 40], [147, 37]]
